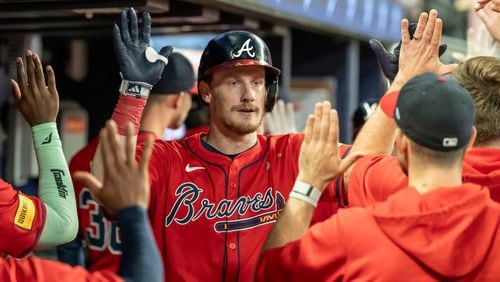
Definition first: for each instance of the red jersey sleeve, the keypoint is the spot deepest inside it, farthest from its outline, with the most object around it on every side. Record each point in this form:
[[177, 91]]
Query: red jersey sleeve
[[22, 219], [373, 179], [36, 269]]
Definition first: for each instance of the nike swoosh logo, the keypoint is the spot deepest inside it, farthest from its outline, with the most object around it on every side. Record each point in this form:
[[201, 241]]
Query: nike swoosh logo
[[193, 168]]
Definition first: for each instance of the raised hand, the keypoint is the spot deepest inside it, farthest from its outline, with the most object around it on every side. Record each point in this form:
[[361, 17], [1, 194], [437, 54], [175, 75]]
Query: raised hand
[[281, 120], [126, 182], [139, 63], [491, 20], [389, 62], [421, 54], [495, 5], [37, 102], [319, 160]]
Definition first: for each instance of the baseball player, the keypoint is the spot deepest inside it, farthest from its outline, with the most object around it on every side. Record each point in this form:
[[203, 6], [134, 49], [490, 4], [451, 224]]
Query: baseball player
[[26, 220], [214, 196], [436, 229], [377, 175], [124, 194], [370, 177], [167, 107]]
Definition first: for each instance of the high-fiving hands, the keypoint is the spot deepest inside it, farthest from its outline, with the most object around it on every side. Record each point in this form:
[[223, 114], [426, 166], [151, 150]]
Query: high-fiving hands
[[38, 102], [421, 54], [140, 66], [319, 160], [126, 182], [491, 19], [389, 61]]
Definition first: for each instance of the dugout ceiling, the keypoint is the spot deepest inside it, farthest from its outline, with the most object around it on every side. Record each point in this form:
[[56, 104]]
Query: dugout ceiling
[[354, 18]]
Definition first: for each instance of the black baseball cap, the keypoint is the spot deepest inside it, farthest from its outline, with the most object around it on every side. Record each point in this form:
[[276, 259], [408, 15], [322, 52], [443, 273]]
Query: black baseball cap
[[435, 112], [178, 75]]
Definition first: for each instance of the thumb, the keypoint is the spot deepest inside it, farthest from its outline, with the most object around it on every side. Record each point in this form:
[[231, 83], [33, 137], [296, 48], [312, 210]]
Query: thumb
[[15, 90], [386, 60], [446, 69], [442, 49], [377, 47], [89, 181], [348, 161], [166, 51]]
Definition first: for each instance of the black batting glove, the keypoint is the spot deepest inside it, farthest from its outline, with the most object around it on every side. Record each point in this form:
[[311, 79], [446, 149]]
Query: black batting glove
[[389, 62]]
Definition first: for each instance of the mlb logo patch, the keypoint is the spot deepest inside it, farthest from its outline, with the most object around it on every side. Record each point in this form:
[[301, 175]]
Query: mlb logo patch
[[450, 142]]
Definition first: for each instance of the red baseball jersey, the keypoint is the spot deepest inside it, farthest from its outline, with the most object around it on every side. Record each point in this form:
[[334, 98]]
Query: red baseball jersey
[[22, 219], [211, 214], [36, 269], [101, 236]]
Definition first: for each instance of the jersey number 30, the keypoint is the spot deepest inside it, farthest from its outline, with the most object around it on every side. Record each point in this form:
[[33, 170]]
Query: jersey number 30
[[101, 233]]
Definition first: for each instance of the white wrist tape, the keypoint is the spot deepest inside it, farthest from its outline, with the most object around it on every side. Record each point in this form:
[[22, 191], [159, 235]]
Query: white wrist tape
[[305, 192], [135, 88]]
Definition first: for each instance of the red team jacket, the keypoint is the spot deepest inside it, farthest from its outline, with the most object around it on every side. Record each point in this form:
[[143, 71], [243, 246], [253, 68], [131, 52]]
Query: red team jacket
[[211, 214], [101, 236], [390, 241], [375, 177], [35, 269], [22, 219]]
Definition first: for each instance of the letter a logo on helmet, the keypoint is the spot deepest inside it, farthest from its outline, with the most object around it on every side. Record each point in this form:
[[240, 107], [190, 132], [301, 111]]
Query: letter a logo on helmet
[[238, 48], [245, 48]]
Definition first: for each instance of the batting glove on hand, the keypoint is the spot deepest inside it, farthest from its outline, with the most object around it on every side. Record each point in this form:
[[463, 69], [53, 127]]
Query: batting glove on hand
[[140, 65], [389, 62]]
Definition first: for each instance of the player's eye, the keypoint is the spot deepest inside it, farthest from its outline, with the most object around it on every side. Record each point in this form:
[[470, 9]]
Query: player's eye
[[233, 83], [258, 82]]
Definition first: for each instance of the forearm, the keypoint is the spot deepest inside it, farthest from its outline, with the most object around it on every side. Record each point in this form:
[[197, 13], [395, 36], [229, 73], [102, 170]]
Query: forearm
[[140, 260], [291, 225], [128, 110], [55, 187], [376, 136], [378, 133]]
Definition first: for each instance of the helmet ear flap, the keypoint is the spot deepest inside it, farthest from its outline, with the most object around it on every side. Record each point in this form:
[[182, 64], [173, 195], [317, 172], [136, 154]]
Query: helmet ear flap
[[272, 86]]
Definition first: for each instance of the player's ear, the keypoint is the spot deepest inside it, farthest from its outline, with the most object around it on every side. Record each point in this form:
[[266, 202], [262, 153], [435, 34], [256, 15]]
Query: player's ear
[[401, 141], [179, 99], [206, 94], [472, 137]]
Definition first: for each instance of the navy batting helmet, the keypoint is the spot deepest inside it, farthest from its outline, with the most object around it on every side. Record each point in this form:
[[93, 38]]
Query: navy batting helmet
[[239, 48]]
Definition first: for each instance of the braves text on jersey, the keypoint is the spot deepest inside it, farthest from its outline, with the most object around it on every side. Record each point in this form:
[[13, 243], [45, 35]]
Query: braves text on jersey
[[211, 214]]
